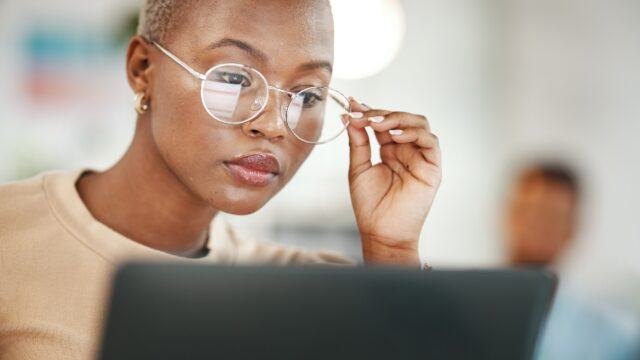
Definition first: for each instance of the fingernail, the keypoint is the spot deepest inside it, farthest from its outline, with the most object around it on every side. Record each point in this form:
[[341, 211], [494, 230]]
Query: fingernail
[[356, 115], [376, 119], [396, 132]]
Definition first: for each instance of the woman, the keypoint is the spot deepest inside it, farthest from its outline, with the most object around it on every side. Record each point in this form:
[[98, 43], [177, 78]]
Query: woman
[[63, 233]]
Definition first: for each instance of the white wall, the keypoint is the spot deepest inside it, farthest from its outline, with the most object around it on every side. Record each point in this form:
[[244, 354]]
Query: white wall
[[572, 88]]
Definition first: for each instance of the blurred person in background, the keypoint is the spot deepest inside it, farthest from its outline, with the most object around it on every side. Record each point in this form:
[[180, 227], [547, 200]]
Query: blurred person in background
[[542, 215], [541, 225], [63, 233]]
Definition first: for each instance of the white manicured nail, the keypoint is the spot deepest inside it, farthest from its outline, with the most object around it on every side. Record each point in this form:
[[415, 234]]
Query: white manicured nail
[[356, 115], [396, 132], [376, 119]]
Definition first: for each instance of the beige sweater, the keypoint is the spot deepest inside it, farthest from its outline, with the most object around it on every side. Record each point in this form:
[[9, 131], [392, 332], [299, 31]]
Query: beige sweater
[[56, 264]]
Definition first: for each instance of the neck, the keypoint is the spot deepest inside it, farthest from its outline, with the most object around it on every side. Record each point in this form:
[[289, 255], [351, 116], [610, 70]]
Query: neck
[[142, 199]]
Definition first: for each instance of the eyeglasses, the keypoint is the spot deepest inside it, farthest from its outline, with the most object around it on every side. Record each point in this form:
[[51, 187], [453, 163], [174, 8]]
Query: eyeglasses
[[235, 94]]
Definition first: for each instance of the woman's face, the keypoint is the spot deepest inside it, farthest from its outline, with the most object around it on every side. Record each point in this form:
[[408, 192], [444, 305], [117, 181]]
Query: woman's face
[[290, 42]]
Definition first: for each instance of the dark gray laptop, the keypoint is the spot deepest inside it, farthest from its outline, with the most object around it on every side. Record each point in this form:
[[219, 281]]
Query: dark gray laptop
[[162, 311]]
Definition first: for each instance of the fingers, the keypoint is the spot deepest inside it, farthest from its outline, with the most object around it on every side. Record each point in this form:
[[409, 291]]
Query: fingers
[[419, 136], [357, 116], [418, 152], [357, 107], [396, 121], [399, 127], [359, 120], [428, 142], [359, 146]]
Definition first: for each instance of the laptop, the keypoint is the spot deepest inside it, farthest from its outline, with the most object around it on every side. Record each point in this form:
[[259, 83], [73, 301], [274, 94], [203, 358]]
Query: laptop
[[178, 311]]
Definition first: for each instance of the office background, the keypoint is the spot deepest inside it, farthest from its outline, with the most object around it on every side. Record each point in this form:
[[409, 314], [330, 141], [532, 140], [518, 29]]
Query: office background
[[502, 82]]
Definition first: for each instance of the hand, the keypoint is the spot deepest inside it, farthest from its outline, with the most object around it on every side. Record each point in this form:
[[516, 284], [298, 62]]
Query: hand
[[391, 199]]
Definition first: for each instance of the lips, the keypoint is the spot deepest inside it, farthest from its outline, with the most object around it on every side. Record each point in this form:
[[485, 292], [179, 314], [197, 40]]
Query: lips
[[258, 169]]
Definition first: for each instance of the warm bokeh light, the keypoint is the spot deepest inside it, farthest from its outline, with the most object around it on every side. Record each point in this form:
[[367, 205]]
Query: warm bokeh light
[[368, 36]]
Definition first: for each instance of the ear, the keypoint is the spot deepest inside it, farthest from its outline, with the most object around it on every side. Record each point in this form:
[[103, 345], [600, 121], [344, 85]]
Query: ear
[[138, 64]]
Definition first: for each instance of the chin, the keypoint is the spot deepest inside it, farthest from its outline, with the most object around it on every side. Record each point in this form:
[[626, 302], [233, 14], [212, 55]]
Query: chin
[[239, 202], [226, 195], [240, 208]]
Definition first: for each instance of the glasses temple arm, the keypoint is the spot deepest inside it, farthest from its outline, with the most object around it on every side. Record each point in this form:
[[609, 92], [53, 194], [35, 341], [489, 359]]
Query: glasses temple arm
[[337, 99], [179, 62]]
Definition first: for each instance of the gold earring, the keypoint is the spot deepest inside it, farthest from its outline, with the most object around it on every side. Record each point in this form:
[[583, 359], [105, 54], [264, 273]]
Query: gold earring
[[140, 106]]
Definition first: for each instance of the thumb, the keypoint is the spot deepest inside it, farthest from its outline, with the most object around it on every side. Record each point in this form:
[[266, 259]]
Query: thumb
[[359, 146]]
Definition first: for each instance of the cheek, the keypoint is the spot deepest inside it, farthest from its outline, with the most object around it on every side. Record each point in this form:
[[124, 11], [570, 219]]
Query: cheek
[[189, 141], [179, 130], [297, 153], [175, 113]]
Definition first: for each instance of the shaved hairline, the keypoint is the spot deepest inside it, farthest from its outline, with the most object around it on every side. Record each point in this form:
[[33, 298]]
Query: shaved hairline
[[158, 18]]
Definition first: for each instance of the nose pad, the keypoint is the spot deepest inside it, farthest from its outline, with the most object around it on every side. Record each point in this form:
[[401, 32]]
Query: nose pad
[[257, 104], [283, 112]]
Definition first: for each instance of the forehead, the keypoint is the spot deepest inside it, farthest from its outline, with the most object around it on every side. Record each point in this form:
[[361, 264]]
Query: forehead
[[285, 30]]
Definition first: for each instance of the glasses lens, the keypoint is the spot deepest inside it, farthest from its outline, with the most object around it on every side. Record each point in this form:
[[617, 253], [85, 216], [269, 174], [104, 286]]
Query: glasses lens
[[233, 93], [314, 114]]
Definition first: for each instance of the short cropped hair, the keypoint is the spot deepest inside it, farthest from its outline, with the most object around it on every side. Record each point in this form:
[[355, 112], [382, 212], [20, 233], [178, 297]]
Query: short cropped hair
[[159, 17], [557, 172]]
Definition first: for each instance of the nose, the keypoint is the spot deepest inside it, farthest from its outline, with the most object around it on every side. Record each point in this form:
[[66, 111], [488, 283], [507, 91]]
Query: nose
[[269, 124]]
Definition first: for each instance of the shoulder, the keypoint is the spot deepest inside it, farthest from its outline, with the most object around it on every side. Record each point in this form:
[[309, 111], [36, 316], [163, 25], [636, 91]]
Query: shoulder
[[21, 201], [22, 188], [25, 208], [251, 250], [24, 211], [28, 195]]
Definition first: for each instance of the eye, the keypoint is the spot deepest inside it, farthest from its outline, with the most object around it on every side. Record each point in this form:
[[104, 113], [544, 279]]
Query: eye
[[235, 78], [311, 98]]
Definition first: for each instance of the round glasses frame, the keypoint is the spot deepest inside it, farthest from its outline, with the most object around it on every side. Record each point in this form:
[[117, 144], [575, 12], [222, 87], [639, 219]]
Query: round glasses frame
[[292, 95]]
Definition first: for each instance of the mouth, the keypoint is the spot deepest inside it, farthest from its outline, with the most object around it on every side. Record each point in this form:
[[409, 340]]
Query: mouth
[[257, 169]]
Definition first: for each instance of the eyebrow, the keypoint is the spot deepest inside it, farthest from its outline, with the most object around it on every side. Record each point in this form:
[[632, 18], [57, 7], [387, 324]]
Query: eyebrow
[[263, 57], [240, 45], [316, 65]]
